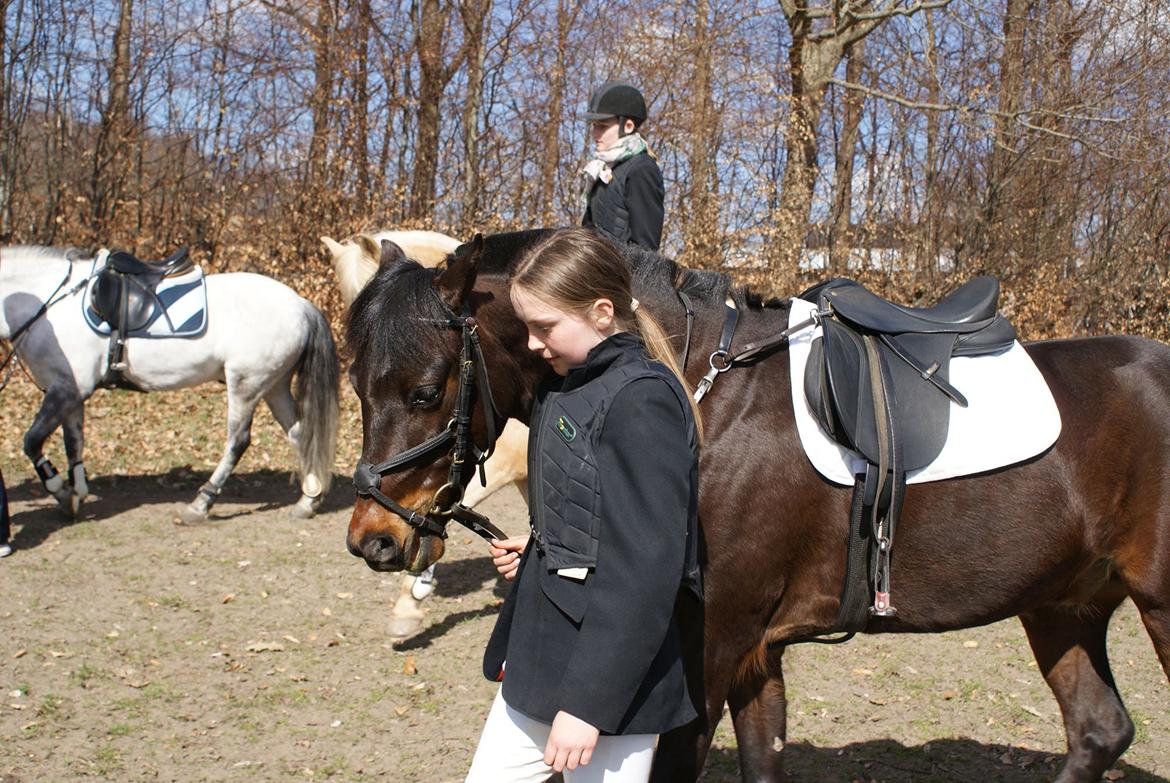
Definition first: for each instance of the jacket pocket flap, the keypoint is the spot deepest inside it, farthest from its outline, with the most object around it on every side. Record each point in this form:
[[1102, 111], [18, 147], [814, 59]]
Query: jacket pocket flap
[[569, 595]]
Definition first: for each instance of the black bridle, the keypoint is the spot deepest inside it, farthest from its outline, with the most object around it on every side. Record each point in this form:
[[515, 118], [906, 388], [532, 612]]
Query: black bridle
[[464, 453]]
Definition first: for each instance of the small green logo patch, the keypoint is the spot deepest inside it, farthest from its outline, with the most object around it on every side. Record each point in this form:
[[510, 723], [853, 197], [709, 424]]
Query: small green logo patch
[[566, 428]]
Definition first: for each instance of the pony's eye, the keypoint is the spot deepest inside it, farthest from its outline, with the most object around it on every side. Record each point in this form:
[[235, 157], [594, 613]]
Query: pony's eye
[[424, 396]]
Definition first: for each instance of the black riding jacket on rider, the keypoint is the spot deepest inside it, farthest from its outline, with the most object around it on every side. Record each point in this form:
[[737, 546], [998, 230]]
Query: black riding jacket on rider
[[629, 208], [589, 626]]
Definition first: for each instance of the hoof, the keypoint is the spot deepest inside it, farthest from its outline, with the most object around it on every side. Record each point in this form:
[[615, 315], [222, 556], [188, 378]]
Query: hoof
[[5, 550], [305, 508], [75, 502], [192, 516], [65, 503], [404, 627]]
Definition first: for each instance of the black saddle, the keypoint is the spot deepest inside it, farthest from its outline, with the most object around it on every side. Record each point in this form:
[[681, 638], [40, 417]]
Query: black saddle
[[880, 366], [124, 297], [878, 383], [175, 264]]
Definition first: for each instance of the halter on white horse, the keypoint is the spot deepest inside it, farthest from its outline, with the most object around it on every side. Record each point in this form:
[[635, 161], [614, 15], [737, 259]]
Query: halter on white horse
[[259, 335]]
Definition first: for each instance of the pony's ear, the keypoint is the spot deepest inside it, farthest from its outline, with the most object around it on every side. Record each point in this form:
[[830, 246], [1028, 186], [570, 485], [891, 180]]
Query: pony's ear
[[456, 280], [369, 246], [333, 246], [388, 253]]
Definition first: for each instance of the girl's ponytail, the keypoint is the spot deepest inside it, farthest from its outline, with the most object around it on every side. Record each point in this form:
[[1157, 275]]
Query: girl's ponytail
[[659, 347]]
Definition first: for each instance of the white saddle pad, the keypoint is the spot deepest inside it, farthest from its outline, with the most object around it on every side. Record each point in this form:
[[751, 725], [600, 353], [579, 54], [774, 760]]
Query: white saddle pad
[[184, 299], [1010, 416]]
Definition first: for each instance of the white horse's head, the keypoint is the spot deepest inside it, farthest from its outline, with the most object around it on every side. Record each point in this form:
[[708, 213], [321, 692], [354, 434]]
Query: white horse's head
[[355, 260]]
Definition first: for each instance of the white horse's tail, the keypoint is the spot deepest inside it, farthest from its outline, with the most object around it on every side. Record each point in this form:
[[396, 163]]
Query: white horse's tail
[[316, 392]]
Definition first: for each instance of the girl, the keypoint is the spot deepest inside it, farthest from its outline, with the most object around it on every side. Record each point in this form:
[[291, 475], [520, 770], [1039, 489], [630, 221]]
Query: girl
[[593, 651]]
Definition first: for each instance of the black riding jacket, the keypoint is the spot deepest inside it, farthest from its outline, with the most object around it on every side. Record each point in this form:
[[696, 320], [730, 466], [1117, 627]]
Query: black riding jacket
[[589, 626], [630, 208]]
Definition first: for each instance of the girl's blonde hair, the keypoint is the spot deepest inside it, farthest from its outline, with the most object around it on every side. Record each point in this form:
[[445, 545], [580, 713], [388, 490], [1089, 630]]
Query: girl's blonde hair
[[574, 267]]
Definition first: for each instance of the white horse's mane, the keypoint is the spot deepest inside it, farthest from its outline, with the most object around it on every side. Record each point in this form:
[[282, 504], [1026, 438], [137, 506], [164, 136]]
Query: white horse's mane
[[355, 259], [22, 252]]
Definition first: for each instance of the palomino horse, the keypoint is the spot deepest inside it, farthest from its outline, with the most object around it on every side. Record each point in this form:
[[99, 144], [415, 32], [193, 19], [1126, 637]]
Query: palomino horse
[[355, 260], [259, 334], [1059, 540]]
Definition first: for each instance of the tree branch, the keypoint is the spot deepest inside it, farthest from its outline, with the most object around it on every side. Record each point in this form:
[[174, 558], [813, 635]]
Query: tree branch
[[1018, 117]]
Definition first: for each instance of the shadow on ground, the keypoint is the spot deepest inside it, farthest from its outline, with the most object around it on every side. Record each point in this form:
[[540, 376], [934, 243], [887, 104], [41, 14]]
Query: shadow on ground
[[262, 490], [938, 761]]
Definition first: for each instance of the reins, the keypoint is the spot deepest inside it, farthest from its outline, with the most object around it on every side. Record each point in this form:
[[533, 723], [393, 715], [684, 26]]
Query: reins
[[722, 359]]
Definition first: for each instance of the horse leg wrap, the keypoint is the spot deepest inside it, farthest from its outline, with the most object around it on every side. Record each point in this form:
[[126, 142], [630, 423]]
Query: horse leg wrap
[[210, 492], [77, 479], [52, 481]]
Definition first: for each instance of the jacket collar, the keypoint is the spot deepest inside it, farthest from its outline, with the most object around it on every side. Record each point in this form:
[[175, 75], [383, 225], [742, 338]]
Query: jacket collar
[[616, 349]]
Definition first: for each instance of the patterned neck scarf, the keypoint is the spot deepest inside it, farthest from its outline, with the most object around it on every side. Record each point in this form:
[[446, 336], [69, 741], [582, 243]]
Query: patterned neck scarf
[[599, 168]]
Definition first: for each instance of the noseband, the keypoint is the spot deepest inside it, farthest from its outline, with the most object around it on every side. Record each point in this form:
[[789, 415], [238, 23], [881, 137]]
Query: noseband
[[464, 453]]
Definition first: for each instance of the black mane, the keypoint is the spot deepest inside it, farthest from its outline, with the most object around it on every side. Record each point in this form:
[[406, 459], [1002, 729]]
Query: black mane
[[406, 287]]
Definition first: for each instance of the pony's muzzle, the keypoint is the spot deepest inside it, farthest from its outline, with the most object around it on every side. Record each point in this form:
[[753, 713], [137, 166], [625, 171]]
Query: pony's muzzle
[[381, 552]]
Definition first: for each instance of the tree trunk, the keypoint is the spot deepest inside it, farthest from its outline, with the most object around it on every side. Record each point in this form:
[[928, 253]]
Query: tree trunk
[[475, 14], [811, 64], [431, 27], [550, 159], [320, 98], [361, 99], [701, 226], [990, 229], [841, 236], [109, 158]]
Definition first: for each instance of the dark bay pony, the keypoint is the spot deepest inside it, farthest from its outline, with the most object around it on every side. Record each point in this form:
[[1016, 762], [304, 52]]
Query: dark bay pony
[[1059, 541]]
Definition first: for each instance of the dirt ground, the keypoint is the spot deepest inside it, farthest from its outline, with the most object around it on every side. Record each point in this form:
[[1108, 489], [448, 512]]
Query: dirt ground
[[253, 648]]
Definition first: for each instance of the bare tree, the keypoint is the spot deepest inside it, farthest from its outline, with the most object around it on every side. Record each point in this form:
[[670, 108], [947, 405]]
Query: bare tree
[[112, 147], [435, 73], [820, 35]]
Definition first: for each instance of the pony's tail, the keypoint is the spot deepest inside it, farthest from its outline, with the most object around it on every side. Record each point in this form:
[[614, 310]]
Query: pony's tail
[[316, 392]]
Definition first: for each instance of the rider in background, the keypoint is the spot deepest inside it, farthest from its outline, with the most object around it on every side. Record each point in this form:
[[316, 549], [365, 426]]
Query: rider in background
[[593, 650], [624, 191]]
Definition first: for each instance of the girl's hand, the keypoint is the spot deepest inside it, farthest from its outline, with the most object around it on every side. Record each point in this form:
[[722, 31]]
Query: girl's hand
[[506, 555], [570, 743]]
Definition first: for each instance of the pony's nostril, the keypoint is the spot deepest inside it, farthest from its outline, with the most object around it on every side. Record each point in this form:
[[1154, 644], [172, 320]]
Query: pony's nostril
[[380, 549]]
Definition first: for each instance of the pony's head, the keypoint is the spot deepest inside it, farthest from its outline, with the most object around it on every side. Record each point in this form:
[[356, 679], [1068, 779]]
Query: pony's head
[[408, 331], [355, 259]]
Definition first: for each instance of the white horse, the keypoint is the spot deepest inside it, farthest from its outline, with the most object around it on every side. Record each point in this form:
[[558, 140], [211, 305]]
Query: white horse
[[259, 334], [355, 260]]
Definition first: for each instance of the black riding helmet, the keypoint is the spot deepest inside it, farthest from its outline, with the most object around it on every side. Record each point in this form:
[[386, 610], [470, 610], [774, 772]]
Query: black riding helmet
[[617, 99]]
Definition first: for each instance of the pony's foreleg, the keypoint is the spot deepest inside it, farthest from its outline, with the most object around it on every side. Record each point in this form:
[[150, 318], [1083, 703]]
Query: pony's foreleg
[[61, 398], [1069, 644], [284, 410], [759, 712], [73, 430], [241, 407], [406, 615]]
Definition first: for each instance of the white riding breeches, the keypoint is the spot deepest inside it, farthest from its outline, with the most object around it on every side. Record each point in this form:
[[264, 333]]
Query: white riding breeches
[[511, 750]]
